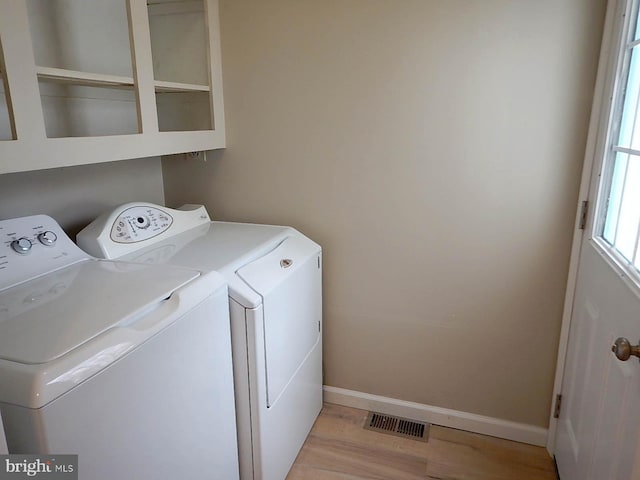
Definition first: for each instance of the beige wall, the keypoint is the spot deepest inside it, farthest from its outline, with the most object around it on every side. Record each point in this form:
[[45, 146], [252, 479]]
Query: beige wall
[[433, 148], [76, 195]]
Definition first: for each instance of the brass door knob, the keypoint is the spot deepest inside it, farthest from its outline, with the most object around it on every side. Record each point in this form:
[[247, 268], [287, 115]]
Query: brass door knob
[[623, 349]]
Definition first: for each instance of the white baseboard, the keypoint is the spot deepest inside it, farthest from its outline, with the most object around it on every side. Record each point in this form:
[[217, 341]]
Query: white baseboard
[[495, 427]]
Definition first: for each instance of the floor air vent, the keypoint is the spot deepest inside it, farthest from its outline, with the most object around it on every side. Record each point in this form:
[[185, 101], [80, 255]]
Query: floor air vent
[[400, 427]]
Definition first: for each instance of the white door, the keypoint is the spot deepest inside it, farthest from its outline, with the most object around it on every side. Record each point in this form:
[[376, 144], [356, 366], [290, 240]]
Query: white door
[[598, 435], [600, 414]]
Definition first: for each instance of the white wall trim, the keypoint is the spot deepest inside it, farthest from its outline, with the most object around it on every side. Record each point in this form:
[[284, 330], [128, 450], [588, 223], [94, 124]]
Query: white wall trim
[[495, 427]]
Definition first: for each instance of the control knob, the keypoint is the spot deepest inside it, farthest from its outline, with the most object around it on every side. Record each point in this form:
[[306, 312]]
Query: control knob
[[142, 222], [48, 238], [22, 245]]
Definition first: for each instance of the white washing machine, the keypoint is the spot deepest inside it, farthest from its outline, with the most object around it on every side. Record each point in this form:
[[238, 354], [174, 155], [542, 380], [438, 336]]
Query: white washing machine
[[128, 366], [275, 297]]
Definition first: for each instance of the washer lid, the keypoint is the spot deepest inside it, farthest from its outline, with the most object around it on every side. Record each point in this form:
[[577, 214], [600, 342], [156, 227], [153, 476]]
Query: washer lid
[[43, 319]]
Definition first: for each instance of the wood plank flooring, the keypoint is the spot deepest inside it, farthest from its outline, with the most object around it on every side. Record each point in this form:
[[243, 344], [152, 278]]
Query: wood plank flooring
[[339, 448]]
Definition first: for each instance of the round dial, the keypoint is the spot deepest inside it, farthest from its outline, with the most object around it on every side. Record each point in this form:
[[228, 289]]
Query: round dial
[[142, 221], [48, 238], [22, 245]]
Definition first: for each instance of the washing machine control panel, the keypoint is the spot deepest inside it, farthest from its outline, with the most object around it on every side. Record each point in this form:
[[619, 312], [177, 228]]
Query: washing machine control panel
[[139, 223], [33, 246]]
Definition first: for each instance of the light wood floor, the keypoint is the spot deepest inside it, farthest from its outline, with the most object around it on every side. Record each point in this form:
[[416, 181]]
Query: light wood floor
[[339, 448]]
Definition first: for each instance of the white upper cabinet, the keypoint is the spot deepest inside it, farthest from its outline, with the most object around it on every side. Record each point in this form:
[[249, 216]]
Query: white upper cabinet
[[87, 81]]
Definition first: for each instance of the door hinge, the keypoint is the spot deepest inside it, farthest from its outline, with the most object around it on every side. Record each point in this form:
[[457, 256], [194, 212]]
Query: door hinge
[[584, 209], [556, 409]]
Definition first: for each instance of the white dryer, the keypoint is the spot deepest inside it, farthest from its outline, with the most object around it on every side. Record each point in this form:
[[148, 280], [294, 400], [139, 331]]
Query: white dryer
[[275, 296], [128, 366]]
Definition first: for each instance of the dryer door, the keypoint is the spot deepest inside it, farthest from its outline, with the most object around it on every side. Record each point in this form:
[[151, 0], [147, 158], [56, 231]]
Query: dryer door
[[289, 281]]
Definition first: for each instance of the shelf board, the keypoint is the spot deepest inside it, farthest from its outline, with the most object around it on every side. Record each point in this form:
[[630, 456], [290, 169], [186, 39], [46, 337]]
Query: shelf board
[[162, 87], [175, 7], [73, 77]]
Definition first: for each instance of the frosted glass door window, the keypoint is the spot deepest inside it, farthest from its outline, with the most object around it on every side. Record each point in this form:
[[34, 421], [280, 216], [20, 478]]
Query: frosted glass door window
[[84, 65], [179, 37]]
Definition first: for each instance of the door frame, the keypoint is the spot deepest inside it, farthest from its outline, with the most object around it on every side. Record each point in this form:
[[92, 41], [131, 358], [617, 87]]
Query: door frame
[[594, 156]]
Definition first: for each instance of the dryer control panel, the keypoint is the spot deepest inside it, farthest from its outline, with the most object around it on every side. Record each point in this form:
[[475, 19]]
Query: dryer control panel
[[33, 246], [139, 223], [132, 226]]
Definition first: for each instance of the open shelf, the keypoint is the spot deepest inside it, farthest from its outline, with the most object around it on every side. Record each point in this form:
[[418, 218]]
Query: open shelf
[[81, 110], [93, 81], [179, 37], [180, 111]]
